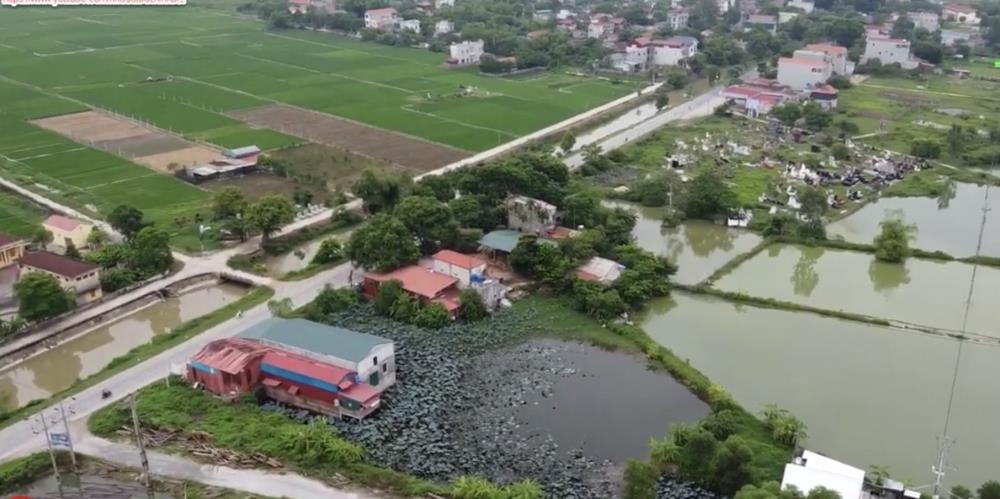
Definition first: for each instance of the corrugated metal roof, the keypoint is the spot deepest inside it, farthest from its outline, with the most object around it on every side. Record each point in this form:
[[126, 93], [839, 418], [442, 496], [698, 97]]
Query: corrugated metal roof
[[61, 222], [314, 337], [503, 240], [229, 355], [57, 264], [418, 280], [299, 369], [459, 259]]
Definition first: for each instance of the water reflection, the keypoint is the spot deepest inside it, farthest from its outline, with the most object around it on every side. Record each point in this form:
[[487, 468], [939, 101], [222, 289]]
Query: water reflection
[[58, 368], [887, 276], [804, 275]]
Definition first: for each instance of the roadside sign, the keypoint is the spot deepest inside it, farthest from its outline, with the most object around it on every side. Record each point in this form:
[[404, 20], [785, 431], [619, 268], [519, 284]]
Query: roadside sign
[[59, 440]]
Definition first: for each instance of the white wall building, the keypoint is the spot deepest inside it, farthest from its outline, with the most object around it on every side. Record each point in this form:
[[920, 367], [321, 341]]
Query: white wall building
[[443, 27], [962, 14], [888, 51], [678, 19], [381, 19], [804, 70], [466, 53], [670, 52], [530, 215], [839, 62], [600, 270], [411, 25], [812, 470], [951, 37], [929, 21], [443, 3], [806, 5], [457, 265]]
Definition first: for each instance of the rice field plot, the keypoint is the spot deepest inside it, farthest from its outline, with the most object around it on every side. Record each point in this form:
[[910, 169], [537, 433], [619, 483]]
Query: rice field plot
[[18, 216], [184, 69]]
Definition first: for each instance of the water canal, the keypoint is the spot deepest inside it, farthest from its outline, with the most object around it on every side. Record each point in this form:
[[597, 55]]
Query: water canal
[[300, 257], [697, 247], [949, 224], [925, 292], [59, 367], [869, 395]]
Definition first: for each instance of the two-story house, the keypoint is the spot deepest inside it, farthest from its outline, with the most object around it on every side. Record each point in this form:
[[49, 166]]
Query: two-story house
[[466, 53], [381, 19]]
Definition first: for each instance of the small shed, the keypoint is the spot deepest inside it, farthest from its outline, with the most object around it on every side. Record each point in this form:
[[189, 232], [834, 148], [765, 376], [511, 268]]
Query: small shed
[[600, 270], [460, 266]]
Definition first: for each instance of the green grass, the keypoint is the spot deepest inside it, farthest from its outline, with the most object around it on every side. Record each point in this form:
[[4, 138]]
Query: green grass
[[20, 472], [556, 318], [120, 59], [18, 216], [139, 354]]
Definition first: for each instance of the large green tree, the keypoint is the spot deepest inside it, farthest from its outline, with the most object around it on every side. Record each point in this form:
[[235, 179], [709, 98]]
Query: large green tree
[[430, 220], [40, 296], [892, 244], [383, 245], [149, 252], [269, 214], [127, 220], [228, 202], [708, 196], [378, 192]]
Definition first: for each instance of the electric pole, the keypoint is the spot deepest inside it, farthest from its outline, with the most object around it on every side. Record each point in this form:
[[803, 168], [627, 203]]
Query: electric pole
[[52, 452], [142, 449], [69, 438]]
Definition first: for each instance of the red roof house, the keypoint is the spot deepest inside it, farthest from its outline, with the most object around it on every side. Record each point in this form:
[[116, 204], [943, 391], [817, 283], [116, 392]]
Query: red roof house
[[423, 284]]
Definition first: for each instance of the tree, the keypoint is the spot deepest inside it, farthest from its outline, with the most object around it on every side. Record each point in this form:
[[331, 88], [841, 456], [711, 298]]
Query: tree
[[492, 65], [785, 428], [471, 308], [816, 117], [662, 100], [127, 220], [583, 208], [117, 278], [892, 244], [467, 211], [813, 200], [956, 139], [97, 238], [640, 480], [42, 237], [567, 142], [383, 245], [708, 196], [149, 252], [379, 193], [39, 296], [430, 220], [330, 250], [925, 148], [989, 490], [228, 203], [71, 251], [732, 466], [787, 113], [388, 293], [697, 457], [432, 316], [961, 492], [840, 82], [330, 301], [840, 152], [269, 214]]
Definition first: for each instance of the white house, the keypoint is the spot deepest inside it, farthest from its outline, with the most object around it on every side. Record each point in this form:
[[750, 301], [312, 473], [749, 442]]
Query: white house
[[381, 19], [670, 52], [466, 53], [785, 16], [929, 21], [443, 27], [725, 5], [600, 270], [530, 215], [460, 266], [442, 3], [888, 51], [411, 25], [839, 62], [678, 18], [806, 5], [761, 21], [962, 14], [951, 37], [803, 71], [811, 470], [66, 231]]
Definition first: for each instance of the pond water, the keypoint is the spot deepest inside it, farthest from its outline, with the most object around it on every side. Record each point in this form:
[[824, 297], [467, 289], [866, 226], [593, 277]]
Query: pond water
[[56, 369], [951, 225], [697, 247], [869, 395], [606, 403], [925, 292], [300, 257]]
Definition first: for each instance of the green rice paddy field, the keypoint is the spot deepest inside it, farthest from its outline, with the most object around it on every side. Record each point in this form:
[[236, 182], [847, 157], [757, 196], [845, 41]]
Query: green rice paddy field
[[183, 69]]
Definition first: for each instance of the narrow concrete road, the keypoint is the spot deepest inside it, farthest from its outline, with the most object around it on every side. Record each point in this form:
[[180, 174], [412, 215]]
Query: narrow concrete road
[[253, 481]]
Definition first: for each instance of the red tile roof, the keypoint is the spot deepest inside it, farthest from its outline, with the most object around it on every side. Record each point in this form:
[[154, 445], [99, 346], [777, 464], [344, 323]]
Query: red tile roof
[[7, 239], [417, 280], [230, 355], [61, 222], [459, 259], [381, 12], [307, 367], [57, 264], [826, 89], [960, 8], [362, 393]]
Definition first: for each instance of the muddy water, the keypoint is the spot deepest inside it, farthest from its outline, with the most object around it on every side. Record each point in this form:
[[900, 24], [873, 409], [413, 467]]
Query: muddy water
[[949, 224], [869, 395], [58, 368], [300, 257], [697, 247], [924, 292]]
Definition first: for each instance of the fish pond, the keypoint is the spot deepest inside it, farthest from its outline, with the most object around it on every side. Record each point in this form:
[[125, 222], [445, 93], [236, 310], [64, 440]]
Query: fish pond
[[58, 368], [924, 292], [869, 395], [697, 247]]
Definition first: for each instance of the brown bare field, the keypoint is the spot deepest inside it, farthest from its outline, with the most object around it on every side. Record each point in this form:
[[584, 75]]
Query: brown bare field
[[414, 154], [337, 167], [148, 147], [260, 184]]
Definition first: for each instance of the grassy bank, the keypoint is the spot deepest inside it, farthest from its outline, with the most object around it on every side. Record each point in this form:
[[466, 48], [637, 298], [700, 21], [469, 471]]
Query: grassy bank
[[23, 471], [315, 451], [141, 353], [256, 262], [554, 317], [735, 262]]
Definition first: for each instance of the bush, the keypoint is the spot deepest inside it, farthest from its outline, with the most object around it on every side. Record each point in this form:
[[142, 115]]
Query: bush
[[432, 316], [330, 250], [924, 148], [640, 480], [117, 278], [472, 307], [332, 300]]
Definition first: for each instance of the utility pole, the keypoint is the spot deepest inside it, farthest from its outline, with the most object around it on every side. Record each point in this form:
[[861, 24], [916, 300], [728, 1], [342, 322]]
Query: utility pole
[[142, 448], [52, 452], [69, 438]]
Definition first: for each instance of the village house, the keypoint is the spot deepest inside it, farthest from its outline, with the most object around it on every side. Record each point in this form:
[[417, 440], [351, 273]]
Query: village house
[[672, 51], [466, 53], [759, 96], [603, 26], [967, 36], [600, 270], [725, 5], [443, 27], [810, 470], [807, 6], [678, 18], [761, 21], [470, 270], [423, 284], [929, 21], [888, 51], [530, 215], [411, 25], [805, 69], [962, 14], [381, 19], [324, 369], [66, 231], [298, 6], [825, 95], [785, 16], [837, 55], [11, 249], [83, 278]]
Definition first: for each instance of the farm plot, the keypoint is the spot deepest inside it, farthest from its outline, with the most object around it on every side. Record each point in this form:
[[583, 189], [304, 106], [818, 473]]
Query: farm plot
[[152, 148], [413, 154], [336, 169], [18, 216]]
